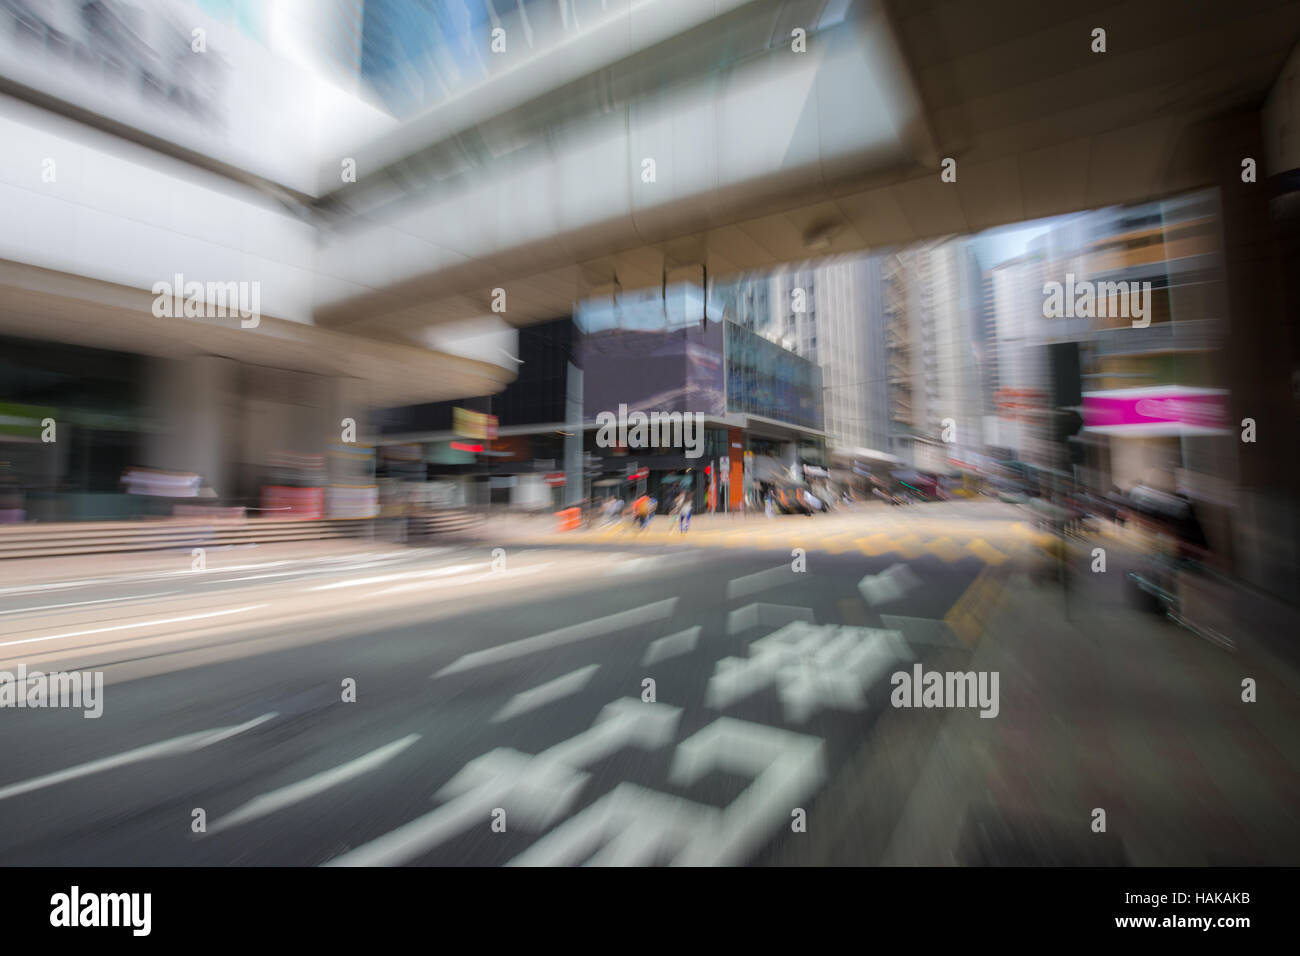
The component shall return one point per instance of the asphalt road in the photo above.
(509, 722)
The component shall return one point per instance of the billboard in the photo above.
(1162, 410)
(765, 379)
(472, 424)
(651, 354)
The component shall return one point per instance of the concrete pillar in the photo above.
(196, 418)
(574, 476)
(1261, 255)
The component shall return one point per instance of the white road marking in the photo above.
(674, 645)
(58, 586)
(633, 825)
(508, 573)
(150, 575)
(137, 624)
(50, 607)
(269, 803)
(812, 667)
(762, 581)
(546, 693)
(166, 748)
(399, 576)
(769, 615)
(565, 635)
(303, 572)
(889, 585)
(535, 789)
(647, 565)
(786, 768)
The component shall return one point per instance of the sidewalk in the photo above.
(1105, 707)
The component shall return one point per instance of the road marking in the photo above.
(489, 575)
(770, 615)
(537, 788)
(269, 803)
(564, 635)
(401, 575)
(761, 581)
(985, 551)
(945, 549)
(785, 766)
(813, 667)
(889, 585)
(546, 693)
(166, 748)
(674, 562)
(909, 546)
(674, 645)
(149, 575)
(138, 624)
(306, 572)
(50, 607)
(874, 544)
(969, 614)
(632, 825)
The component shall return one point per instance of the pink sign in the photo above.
(1168, 410)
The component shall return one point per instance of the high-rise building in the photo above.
(830, 313)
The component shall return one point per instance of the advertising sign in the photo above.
(1157, 411)
(471, 424)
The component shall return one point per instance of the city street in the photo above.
(502, 714)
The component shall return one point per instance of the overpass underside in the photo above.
(738, 145)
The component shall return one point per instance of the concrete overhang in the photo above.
(56, 306)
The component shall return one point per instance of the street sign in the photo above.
(471, 424)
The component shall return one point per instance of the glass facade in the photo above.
(419, 53)
(765, 379)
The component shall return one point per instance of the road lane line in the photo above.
(674, 645)
(50, 607)
(564, 635)
(546, 693)
(762, 581)
(137, 624)
(401, 575)
(269, 803)
(486, 576)
(166, 748)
